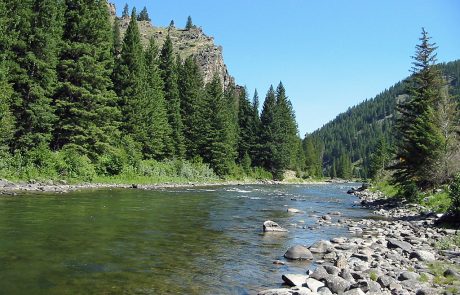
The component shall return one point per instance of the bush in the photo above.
(71, 163)
(111, 162)
(454, 194)
(410, 192)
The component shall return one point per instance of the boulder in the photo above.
(337, 284)
(422, 256)
(408, 275)
(321, 246)
(324, 291)
(298, 252)
(295, 279)
(385, 281)
(314, 285)
(319, 274)
(395, 244)
(271, 226)
(332, 270)
(326, 217)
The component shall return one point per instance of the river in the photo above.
(171, 241)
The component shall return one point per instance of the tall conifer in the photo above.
(171, 90)
(85, 101)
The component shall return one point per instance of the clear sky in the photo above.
(330, 55)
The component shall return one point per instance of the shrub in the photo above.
(454, 194)
(410, 192)
(111, 162)
(71, 163)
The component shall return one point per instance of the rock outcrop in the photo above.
(192, 42)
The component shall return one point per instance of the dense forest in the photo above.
(345, 147)
(78, 102)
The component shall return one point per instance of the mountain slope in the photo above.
(355, 133)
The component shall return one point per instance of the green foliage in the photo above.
(111, 162)
(73, 164)
(189, 25)
(143, 15)
(454, 194)
(171, 90)
(125, 12)
(84, 100)
(373, 276)
(410, 192)
(438, 202)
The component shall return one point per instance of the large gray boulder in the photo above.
(314, 284)
(271, 226)
(423, 256)
(395, 244)
(408, 275)
(356, 291)
(321, 246)
(298, 252)
(319, 274)
(295, 279)
(337, 284)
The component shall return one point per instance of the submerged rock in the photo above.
(295, 279)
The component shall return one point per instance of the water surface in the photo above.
(175, 241)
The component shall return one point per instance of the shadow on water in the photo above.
(190, 241)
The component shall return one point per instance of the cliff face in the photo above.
(186, 43)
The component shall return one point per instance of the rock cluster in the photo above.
(389, 257)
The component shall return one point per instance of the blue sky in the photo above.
(330, 55)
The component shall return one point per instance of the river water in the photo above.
(172, 241)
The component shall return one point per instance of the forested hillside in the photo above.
(343, 147)
(78, 101)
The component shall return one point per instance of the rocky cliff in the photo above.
(192, 42)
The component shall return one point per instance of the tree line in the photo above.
(73, 91)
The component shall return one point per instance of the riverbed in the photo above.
(170, 241)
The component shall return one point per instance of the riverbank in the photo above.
(61, 187)
(401, 252)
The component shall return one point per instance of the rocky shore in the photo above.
(396, 254)
(9, 188)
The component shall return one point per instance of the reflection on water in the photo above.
(179, 241)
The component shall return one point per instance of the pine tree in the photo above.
(143, 15)
(125, 13)
(128, 78)
(267, 137)
(245, 117)
(33, 71)
(6, 117)
(255, 150)
(159, 140)
(192, 99)
(379, 158)
(170, 78)
(117, 42)
(218, 151)
(286, 131)
(189, 24)
(85, 102)
(419, 143)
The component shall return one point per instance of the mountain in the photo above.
(186, 42)
(354, 134)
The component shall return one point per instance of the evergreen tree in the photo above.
(143, 15)
(6, 117)
(33, 72)
(85, 102)
(192, 107)
(286, 131)
(255, 149)
(128, 78)
(419, 138)
(171, 90)
(267, 136)
(117, 42)
(125, 13)
(189, 24)
(159, 133)
(380, 158)
(245, 117)
(218, 151)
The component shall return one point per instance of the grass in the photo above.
(373, 276)
(448, 243)
(438, 202)
(449, 282)
(387, 189)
